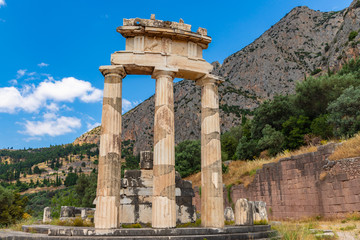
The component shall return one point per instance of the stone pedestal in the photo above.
(163, 203)
(259, 211)
(47, 215)
(109, 180)
(212, 209)
(244, 212)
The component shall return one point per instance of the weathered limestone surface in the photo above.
(47, 215)
(229, 214)
(164, 152)
(212, 209)
(109, 180)
(146, 160)
(136, 196)
(244, 212)
(259, 211)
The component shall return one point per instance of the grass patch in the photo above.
(76, 222)
(197, 223)
(17, 226)
(348, 149)
(353, 216)
(134, 225)
(348, 228)
(229, 223)
(261, 222)
(295, 231)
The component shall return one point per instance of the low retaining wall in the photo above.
(301, 186)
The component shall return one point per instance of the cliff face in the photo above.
(300, 44)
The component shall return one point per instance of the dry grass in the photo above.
(244, 171)
(323, 175)
(296, 230)
(17, 226)
(348, 149)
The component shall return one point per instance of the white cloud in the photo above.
(52, 107)
(20, 72)
(43, 65)
(2, 3)
(13, 81)
(127, 105)
(91, 126)
(31, 98)
(51, 125)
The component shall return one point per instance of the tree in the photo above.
(188, 157)
(12, 206)
(320, 127)
(314, 95)
(274, 113)
(294, 130)
(70, 179)
(37, 170)
(229, 142)
(247, 149)
(272, 140)
(85, 189)
(344, 113)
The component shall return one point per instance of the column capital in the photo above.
(113, 69)
(164, 71)
(209, 79)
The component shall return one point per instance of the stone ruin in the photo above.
(137, 190)
(248, 212)
(136, 198)
(165, 50)
(68, 212)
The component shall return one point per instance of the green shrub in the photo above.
(353, 35)
(320, 127)
(188, 157)
(344, 113)
(12, 206)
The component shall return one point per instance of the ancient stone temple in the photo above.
(165, 50)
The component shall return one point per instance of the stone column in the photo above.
(109, 178)
(163, 201)
(212, 208)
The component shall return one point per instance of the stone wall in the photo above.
(306, 185)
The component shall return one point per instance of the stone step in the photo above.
(235, 236)
(195, 233)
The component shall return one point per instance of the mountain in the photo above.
(304, 42)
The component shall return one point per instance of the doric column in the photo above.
(212, 209)
(109, 171)
(163, 201)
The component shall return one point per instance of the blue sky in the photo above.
(50, 52)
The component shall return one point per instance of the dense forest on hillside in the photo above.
(322, 108)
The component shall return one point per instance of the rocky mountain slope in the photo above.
(304, 42)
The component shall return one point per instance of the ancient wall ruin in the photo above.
(306, 185)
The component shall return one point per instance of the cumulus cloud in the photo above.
(43, 65)
(2, 3)
(31, 98)
(51, 125)
(127, 105)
